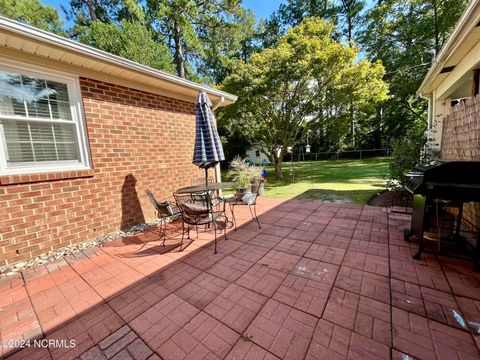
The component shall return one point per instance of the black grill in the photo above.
(457, 182)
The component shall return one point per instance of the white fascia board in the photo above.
(467, 22)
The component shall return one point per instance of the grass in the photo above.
(346, 181)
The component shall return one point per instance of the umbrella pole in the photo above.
(206, 176)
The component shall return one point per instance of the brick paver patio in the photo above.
(318, 281)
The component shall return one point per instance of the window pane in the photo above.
(11, 94)
(41, 98)
(60, 110)
(37, 142)
(19, 152)
(59, 91)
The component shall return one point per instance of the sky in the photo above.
(261, 8)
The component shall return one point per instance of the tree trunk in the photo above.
(179, 57)
(92, 10)
(278, 169)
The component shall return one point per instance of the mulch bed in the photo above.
(397, 198)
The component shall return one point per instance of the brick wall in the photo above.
(138, 140)
(461, 141)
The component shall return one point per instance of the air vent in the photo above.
(447, 69)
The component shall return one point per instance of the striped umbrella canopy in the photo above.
(208, 148)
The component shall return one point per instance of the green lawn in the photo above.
(346, 181)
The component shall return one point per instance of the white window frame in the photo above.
(78, 118)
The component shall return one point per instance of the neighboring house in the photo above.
(454, 74)
(452, 89)
(82, 134)
(257, 157)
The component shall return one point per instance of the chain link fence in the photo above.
(336, 155)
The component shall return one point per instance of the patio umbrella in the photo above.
(208, 148)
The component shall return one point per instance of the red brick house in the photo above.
(82, 134)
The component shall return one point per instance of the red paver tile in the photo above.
(230, 268)
(175, 276)
(31, 353)
(316, 270)
(407, 296)
(325, 253)
(398, 355)
(137, 299)
(367, 262)
(428, 339)
(236, 307)
(279, 260)
(342, 307)
(202, 290)
(250, 252)
(403, 269)
(156, 325)
(86, 330)
(203, 337)
(303, 235)
(430, 274)
(294, 247)
(262, 279)
(265, 240)
(282, 330)
(471, 311)
(303, 294)
(369, 247)
(364, 283)
(373, 320)
(442, 307)
(310, 226)
(247, 350)
(329, 341)
(461, 277)
(243, 235)
(277, 230)
(334, 342)
(202, 259)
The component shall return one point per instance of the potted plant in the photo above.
(244, 175)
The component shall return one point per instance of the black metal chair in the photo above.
(251, 201)
(198, 209)
(165, 212)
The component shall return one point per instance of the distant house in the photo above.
(257, 157)
(82, 134)
(454, 77)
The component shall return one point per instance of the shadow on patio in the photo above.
(319, 280)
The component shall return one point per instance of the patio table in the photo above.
(205, 188)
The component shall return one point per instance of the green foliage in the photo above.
(131, 40)
(307, 78)
(407, 153)
(33, 13)
(242, 173)
(405, 35)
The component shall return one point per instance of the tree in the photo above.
(405, 35)
(306, 77)
(179, 22)
(223, 42)
(131, 40)
(33, 13)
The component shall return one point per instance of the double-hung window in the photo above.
(41, 122)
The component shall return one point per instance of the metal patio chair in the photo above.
(165, 212)
(257, 190)
(197, 210)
